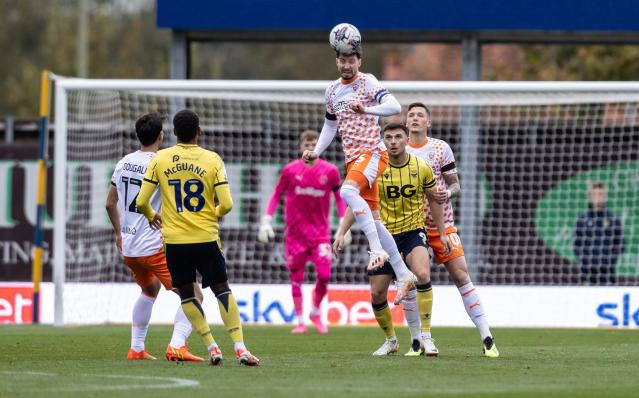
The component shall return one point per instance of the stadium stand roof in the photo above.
(470, 22)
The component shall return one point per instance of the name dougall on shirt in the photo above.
(134, 168)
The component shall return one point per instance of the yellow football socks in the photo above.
(230, 315)
(195, 314)
(384, 319)
(425, 305)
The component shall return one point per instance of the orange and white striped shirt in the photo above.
(438, 154)
(360, 132)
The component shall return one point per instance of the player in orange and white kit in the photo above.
(440, 157)
(141, 246)
(354, 103)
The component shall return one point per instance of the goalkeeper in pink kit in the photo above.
(308, 189)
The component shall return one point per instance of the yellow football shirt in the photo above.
(188, 177)
(401, 194)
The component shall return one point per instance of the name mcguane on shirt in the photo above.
(185, 167)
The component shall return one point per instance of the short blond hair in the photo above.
(309, 135)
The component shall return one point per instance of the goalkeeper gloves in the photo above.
(266, 229)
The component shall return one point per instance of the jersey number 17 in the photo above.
(131, 207)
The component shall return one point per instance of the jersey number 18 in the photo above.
(191, 195)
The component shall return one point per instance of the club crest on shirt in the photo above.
(323, 179)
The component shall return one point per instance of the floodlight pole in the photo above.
(179, 55)
(83, 39)
(469, 123)
(179, 70)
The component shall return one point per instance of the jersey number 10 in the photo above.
(191, 195)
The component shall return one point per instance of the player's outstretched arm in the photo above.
(340, 205)
(326, 137)
(342, 236)
(346, 236)
(388, 106)
(266, 232)
(449, 171)
(453, 189)
(452, 180)
(114, 215)
(437, 212)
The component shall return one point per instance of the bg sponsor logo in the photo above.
(16, 305)
(619, 314)
(394, 191)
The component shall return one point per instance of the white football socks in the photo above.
(140, 321)
(362, 214)
(181, 329)
(388, 243)
(474, 309)
(411, 313)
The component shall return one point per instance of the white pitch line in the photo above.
(8, 372)
(171, 382)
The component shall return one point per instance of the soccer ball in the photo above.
(345, 38)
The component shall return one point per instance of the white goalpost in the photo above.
(526, 152)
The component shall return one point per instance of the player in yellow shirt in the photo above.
(190, 178)
(402, 187)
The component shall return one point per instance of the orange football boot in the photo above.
(135, 355)
(181, 354)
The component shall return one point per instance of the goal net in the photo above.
(526, 153)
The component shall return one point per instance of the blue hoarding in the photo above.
(458, 15)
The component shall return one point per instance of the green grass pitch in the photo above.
(43, 361)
